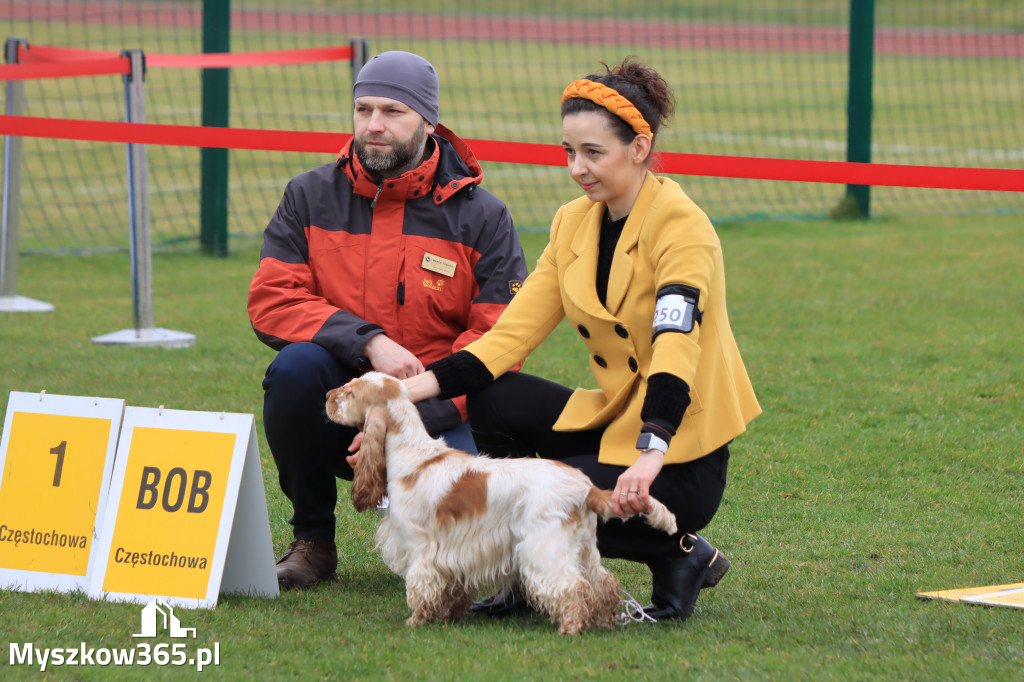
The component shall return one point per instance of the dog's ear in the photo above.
(370, 482)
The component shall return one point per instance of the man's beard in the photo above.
(400, 158)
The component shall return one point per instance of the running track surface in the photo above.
(581, 31)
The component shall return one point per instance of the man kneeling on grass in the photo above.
(390, 258)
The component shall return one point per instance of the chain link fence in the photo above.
(768, 80)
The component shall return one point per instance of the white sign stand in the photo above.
(187, 515)
(56, 456)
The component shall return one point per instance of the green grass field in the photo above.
(888, 460)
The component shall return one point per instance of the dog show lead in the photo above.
(637, 268)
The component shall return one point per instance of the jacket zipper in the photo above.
(373, 204)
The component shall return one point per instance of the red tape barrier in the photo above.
(61, 62)
(757, 168)
(180, 136)
(55, 62)
(82, 67)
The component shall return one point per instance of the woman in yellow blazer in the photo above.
(637, 268)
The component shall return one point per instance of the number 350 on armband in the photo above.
(676, 309)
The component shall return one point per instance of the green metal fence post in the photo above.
(213, 192)
(859, 105)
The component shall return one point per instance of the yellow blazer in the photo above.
(666, 240)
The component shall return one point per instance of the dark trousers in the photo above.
(514, 416)
(308, 448)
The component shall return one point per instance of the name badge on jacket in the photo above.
(441, 266)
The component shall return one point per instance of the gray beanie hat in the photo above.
(402, 76)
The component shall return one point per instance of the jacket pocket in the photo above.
(696, 405)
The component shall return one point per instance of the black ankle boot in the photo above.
(507, 602)
(678, 580)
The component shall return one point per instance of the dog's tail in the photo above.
(658, 516)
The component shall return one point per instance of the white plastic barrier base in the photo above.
(166, 338)
(23, 304)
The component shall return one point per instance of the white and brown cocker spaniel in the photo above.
(459, 523)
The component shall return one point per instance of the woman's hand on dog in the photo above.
(632, 490)
(422, 386)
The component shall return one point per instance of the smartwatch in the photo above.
(648, 441)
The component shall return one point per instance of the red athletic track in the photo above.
(754, 37)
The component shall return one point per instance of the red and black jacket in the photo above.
(428, 257)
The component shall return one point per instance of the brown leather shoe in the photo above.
(306, 563)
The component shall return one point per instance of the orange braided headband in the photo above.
(610, 99)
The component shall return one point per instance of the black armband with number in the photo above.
(677, 309)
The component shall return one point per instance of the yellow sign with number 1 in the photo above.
(56, 456)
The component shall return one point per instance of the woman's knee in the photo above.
(515, 399)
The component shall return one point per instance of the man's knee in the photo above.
(303, 368)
